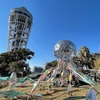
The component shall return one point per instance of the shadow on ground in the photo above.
(75, 98)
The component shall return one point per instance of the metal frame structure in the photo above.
(20, 22)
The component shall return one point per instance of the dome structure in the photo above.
(64, 49)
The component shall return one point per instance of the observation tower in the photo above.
(19, 26)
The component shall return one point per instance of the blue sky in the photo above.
(54, 20)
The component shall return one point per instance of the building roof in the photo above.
(22, 9)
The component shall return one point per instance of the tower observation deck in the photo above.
(20, 22)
